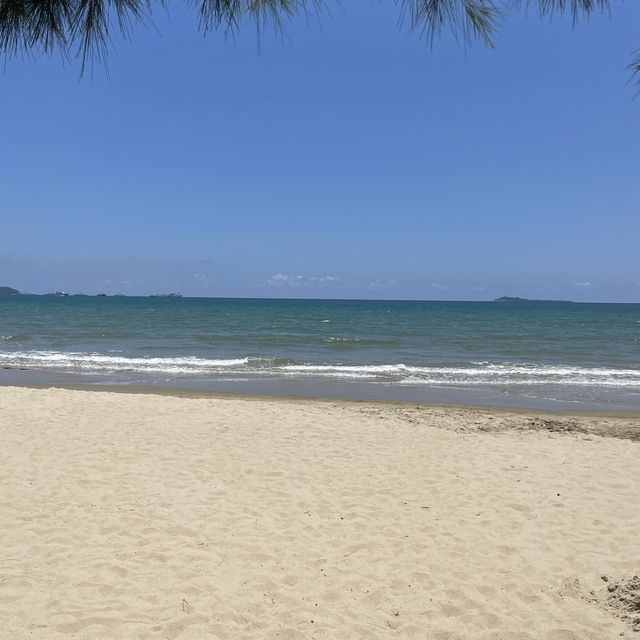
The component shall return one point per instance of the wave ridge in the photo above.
(472, 374)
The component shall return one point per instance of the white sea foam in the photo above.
(478, 374)
(473, 374)
(97, 362)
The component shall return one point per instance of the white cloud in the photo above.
(285, 280)
(586, 283)
(377, 285)
(440, 287)
(280, 279)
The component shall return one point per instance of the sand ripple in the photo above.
(139, 516)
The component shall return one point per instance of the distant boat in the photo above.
(59, 294)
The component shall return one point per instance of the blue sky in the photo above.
(350, 160)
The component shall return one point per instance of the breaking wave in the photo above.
(471, 374)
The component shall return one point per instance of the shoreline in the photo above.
(444, 396)
(349, 392)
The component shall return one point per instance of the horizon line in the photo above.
(510, 299)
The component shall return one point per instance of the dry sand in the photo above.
(147, 516)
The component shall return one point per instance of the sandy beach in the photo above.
(129, 515)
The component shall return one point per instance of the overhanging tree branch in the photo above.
(83, 27)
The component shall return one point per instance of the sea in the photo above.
(547, 355)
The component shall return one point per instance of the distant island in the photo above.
(516, 299)
(166, 295)
(8, 291)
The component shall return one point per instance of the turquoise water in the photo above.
(574, 353)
